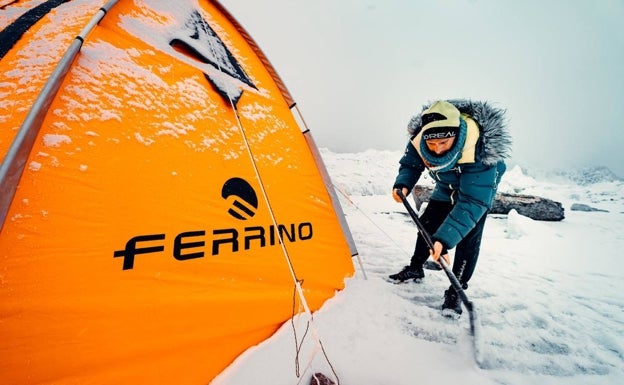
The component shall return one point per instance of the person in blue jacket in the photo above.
(463, 145)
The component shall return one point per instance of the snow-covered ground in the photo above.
(550, 296)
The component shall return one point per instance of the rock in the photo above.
(321, 379)
(584, 207)
(534, 207)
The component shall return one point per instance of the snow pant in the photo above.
(467, 250)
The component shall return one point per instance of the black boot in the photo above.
(452, 304)
(408, 272)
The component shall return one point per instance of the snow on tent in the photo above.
(162, 202)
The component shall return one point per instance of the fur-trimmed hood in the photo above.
(495, 137)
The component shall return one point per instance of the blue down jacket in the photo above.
(471, 183)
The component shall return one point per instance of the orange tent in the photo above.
(159, 200)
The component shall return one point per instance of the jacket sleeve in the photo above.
(477, 188)
(410, 169)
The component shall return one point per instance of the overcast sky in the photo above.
(360, 69)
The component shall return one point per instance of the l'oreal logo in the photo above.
(439, 135)
(187, 245)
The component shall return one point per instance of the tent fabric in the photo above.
(142, 243)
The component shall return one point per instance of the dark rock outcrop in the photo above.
(534, 207)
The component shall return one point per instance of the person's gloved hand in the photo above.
(395, 193)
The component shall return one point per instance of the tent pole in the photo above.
(14, 162)
(329, 186)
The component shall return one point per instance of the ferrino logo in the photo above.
(243, 204)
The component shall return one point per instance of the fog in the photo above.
(360, 69)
